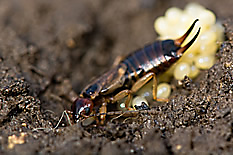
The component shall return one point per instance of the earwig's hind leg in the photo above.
(139, 84)
(123, 94)
(144, 80)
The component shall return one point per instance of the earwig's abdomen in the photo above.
(155, 58)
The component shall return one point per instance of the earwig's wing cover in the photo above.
(113, 79)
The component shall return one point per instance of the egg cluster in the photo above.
(201, 55)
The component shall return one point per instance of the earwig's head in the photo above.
(172, 48)
(82, 107)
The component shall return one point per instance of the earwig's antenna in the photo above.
(64, 113)
(117, 117)
(131, 112)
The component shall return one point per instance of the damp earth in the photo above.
(49, 51)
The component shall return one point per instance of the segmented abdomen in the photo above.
(152, 58)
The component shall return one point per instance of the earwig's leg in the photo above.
(139, 84)
(154, 91)
(103, 109)
(123, 94)
(144, 80)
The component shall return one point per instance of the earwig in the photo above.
(129, 76)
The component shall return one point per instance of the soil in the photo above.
(49, 50)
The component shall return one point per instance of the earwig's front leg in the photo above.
(103, 110)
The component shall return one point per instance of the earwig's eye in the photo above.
(87, 110)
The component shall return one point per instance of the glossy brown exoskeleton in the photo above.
(130, 75)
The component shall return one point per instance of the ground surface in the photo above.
(48, 50)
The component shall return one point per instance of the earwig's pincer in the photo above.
(130, 75)
(178, 42)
